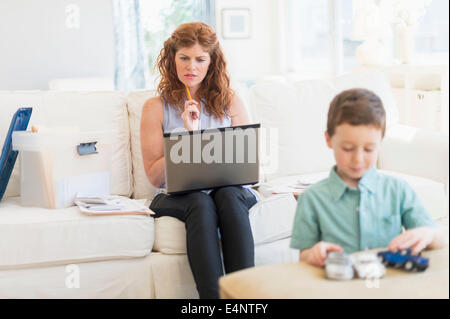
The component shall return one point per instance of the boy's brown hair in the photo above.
(356, 107)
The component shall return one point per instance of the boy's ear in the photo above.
(328, 139)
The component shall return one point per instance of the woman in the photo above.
(192, 58)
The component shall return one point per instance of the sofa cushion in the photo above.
(142, 187)
(90, 111)
(270, 219)
(170, 236)
(276, 252)
(419, 152)
(37, 236)
(431, 193)
(172, 277)
(297, 116)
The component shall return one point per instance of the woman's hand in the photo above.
(317, 254)
(417, 239)
(191, 115)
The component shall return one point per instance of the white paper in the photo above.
(88, 185)
(113, 204)
(299, 186)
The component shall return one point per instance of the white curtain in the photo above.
(129, 46)
(206, 11)
(131, 63)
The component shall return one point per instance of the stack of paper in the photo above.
(298, 186)
(112, 205)
(282, 189)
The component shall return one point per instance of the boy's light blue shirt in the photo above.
(369, 216)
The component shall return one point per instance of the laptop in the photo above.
(8, 156)
(211, 158)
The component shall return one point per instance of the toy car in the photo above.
(404, 259)
(338, 266)
(367, 265)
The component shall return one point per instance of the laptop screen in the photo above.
(211, 158)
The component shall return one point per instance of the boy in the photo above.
(356, 207)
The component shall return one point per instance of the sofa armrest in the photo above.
(416, 152)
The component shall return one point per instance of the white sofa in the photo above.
(142, 257)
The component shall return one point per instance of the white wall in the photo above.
(260, 54)
(36, 45)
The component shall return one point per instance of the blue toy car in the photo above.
(404, 259)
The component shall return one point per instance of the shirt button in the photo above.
(357, 209)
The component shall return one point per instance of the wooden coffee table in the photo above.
(301, 280)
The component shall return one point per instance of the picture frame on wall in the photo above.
(236, 23)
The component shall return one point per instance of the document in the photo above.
(112, 205)
(297, 185)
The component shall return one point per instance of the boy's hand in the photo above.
(417, 239)
(317, 254)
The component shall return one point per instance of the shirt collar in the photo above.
(338, 187)
(369, 180)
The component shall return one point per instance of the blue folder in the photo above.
(8, 158)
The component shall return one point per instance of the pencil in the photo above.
(190, 98)
(189, 93)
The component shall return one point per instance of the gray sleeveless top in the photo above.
(172, 121)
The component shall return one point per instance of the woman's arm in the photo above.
(152, 141)
(238, 111)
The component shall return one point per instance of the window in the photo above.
(161, 17)
(308, 26)
(321, 30)
(432, 33)
(321, 34)
(348, 45)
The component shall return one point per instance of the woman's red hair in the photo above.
(215, 88)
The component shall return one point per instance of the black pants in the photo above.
(225, 208)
